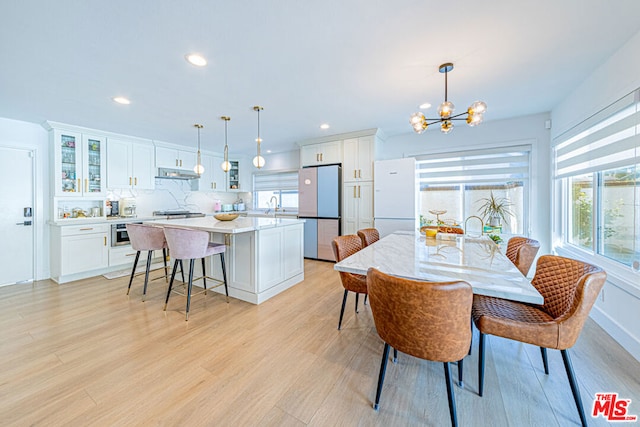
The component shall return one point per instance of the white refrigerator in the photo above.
(395, 196)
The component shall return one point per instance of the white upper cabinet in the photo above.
(174, 158)
(321, 154)
(78, 163)
(358, 157)
(213, 178)
(130, 164)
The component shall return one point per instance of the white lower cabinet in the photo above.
(78, 249)
(125, 255)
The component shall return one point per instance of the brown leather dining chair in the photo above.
(521, 251)
(569, 288)
(344, 246)
(427, 320)
(368, 236)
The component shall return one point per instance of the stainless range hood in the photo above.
(166, 173)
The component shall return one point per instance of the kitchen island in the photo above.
(264, 256)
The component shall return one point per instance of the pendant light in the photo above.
(198, 168)
(258, 160)
(225, 165)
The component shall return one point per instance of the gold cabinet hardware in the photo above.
(79, 187)
(180, 162)
(354, 191)
(359, 173)
(358, 191)
(135, 181)
(129, 180)
(321, 156)
(86, 229)
(86, 185)
(355, 175)
(176, 162)
(105, 240)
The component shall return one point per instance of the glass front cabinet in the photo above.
(79, 164)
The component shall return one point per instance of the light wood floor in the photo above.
(84, 353)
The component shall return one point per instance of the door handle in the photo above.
(135, 181)
(25, 223)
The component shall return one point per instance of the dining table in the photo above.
(476, 260)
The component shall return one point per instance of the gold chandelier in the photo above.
(473, 116)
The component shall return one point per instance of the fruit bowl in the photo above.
(226, 216)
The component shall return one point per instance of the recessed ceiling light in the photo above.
(196, 59)
(324, 126)
(425, 106)
(268, 151)
(121, 100)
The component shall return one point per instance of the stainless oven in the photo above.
(119, 236)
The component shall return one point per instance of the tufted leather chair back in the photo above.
(368, 236)
(344, 246)
(429, 320)
(570, 288)
(522, 251)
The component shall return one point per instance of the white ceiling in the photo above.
(355, 64)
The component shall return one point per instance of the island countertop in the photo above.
(238, 225)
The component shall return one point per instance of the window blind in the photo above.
(607, 140)
(276, 181)
(495, 165)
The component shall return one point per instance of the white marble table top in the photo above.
(476, 260)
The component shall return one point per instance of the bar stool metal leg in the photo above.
(224, 276)
(191, 266)
(173, 275)
(146, 274)
(133, 271)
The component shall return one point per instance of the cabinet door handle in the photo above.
(355, 175)
(129, 254)
(129, 180)
(180, 163)
(358, 191)
(86, 229)
(354, 191)
(321, 154)
(79, 188)
(86, 185)
(176, 162)
(105, 240)
(135, 181)
(359, 173)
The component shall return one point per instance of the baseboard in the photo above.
(617, 332)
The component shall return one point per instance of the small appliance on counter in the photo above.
(115, 208)
(127, 207)
(178, 214)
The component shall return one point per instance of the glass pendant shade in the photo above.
(478, 107)
(258, 161)
(446, 126)
(446, 109)
(226, 166)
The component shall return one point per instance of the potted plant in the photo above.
(495, 209)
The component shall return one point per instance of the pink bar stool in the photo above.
(146, 238)
(193, 244)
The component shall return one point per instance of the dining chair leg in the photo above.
(357, 296)
(191, 266)
(146, 274)
(204, 276)
(450, 395)
(481, 364)
(166, 269)
(133, 271)
(383, 369)
(460, 371)
(395, 355)
(224, 276)
(545, 361)
(365, 298)
(471, 341)
(344, 303)
(173, 275)
(574, 385)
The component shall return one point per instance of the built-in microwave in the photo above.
(119, 236)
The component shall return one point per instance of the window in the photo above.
(457, 182)
(597, 164)
(281, 185)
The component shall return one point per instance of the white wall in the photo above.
(618, 308)
(14, 133)
(499, 133)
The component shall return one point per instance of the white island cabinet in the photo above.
(264, 256)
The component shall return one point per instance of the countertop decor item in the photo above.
(473, 116)
(226, 216)
(495, 209)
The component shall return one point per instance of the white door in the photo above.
(16, 215)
